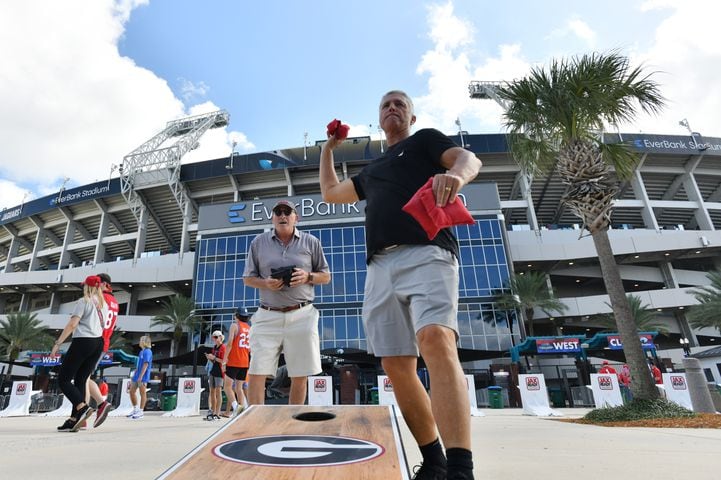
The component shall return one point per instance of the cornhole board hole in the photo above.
(279, 442)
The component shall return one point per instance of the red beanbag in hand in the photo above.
(422, 206)
(340, 130)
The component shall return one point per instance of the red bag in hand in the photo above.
(422, 206)
(340, 130)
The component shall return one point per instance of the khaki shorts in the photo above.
(294, 333)
(407, 288)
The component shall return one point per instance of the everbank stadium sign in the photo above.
(675, 145)
(79, 194)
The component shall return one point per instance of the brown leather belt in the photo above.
(297, 306)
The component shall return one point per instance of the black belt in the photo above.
(297, 306)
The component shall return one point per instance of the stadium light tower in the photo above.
(305, 145)
(695, 136)
(460, 133)
(487, 91)
(157, 161)
(232, 155)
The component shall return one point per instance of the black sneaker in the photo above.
(429, 472)
(102, 414)
(67, 426)
(82, 414)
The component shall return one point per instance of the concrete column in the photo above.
(694, 194)
(185, 236)
(649, 219)
(526, 195)
(54, 302)
(132, 302)
(697, 388)
(669, 274)
(685, 328)
(65, 255)
(142, 234)
(38, 245)
(25, 302)
(12, 251)
(99, 256)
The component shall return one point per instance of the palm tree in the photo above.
(118, 341)
(529, 291)
(706, 313)
(555, 118)
(22, 331)
(643, 317)
(178, 315)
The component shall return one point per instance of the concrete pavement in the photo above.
(506, 445)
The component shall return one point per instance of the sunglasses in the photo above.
(283, 211)
(215, 336)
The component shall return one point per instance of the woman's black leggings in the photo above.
(77, 366)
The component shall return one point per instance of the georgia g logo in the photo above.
(298, 451)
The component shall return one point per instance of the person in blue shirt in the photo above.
(141, 377)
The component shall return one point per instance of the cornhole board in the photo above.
(270, 442)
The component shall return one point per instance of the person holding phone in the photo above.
(286, 320)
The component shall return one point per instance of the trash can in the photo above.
(169, 400)
(374, 395)
(495, 397)
(558, 399)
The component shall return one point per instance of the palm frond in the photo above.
(706, 313)
(642, 314)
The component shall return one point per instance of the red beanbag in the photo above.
(422, 206)
(340, 130)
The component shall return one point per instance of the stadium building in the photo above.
(161, 228)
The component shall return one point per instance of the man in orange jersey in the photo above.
(236, 361)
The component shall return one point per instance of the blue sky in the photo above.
(96, 78)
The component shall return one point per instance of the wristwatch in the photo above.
(310, 277)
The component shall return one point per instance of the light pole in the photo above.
(685, 345)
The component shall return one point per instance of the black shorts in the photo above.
(236, 373)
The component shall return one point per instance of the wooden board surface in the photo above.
(267, 442)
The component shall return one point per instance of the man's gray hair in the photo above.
(402, 94)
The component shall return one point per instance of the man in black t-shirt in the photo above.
(411, 297)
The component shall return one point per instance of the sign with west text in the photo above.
(44, 359)
(558, 345)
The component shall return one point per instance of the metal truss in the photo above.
(487, 91)
(157, 161)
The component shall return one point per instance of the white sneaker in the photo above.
(137, 415)
(134, 412)
(234, 406)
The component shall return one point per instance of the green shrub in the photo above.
(639, 410)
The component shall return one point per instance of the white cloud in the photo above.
(450, 71)
(576, 27)
(11, 194)
(72, 105)
(687, 56)
(190, 90)
(582, 31)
